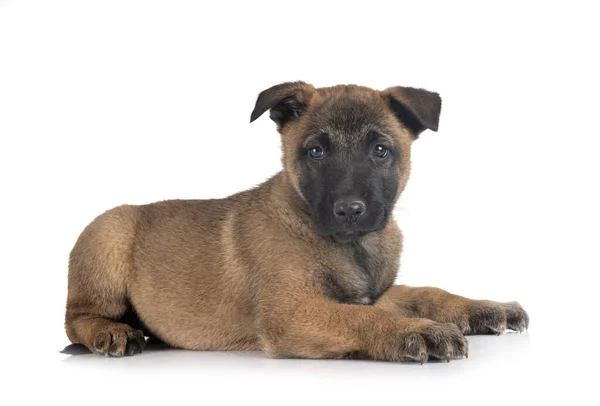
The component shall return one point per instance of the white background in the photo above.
(111, 102)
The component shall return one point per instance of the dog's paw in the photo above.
(487, 317)
(442, 341)
(118, 341)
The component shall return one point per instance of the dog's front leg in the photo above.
(471, 316)
(319, 328)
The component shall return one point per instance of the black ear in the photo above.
(417, 109)
(286, 101)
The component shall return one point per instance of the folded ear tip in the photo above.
(291, 95)
(258, 111)
(434, 125)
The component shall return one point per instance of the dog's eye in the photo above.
(316, 153)
(380, 151)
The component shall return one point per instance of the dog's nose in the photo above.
(348, 209)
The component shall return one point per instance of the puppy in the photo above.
(301, 266)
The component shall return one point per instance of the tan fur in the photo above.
(243, 273)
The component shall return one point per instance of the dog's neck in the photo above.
(289, 206)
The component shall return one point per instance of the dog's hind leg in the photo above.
(99, 270)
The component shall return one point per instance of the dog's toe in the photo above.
(119, 341)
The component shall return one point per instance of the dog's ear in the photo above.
(417, 109)
(286, 101)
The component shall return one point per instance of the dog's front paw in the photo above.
(487, 317)
(442, 341)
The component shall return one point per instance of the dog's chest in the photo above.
(361, 276)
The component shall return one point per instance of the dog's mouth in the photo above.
(348, 232)
(345, 237)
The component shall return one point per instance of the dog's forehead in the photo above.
(349, 113)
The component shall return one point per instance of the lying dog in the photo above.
(300, 266)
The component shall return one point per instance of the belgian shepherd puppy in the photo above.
(301, 266)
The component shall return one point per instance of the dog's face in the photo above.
(347, 149)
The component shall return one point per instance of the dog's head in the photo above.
(346, 149)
